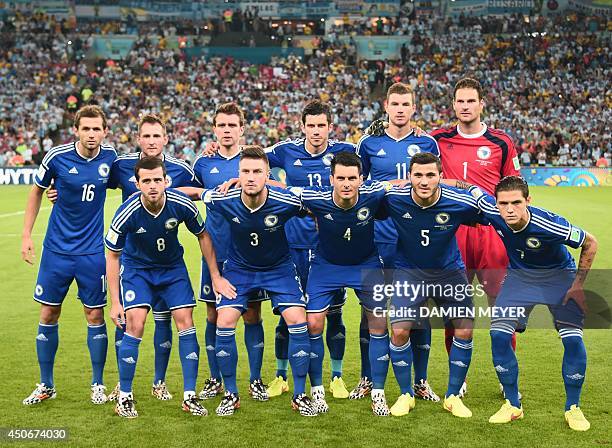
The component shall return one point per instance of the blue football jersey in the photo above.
(151, 241)
(426, 235)
(541, 244)
(212, 172)
(178, 173)
(304, 169)
(258, 239)
(346, 237)
(76, 224)
(385, 158)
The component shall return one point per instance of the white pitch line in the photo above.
(21, 212)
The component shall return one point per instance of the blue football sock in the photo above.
(128, 357)
(364, 349)
(189, 351)
(210, 339)
(401, 360)
(335, 336)
(254, 341)
(317, 353)
(504, 360)
(227, 357)
(420, 340)
(97, 343)
(281, 348)
(119, 332)
(299, 356)
(458, 364)
(162, 341)
(379, 359)
(46, 347)
(574, 364)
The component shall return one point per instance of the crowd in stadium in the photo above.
(550, 92)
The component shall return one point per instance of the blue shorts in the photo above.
(326, 278)
(147, 287)
(450, 290)
(57, 271)
(206, 291)
(387, 252)
(281, 284)
(525, 289)
(302, 259)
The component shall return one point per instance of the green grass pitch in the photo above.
(273, 423)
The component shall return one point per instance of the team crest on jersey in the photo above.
(171, 223)
(103, 170)
(327, 159)
(533, 243)
(271, 220)
(442, 218)
(484, 152)
(39, 290)
(168, 180)
(129, 295)
(363, 213)
(413, 149)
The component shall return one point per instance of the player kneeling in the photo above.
(145, 231)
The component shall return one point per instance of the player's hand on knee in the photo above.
(27, 250)
(377, 127)
(52, 195)
(576, 294)
(229, 184)
(210, 149)
(224, 287)
(117, 314)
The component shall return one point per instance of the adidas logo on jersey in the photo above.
(214, 170)
(210, 348)
(141, 230)
(300, 354)
(236, 220)
(222, 354)
(500, 369)
(381, 152)
(260, 345)
(132, 179)
(313, 355)
(329, 216)
(407, 215)
(401, 363)
(192, 355)
(384, 357)
(459, 364)
(100, 336)
(129, 360)
(41, 337)
(73, 170)
(166, 344)
(298, 162)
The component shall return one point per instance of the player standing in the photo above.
(259, 258)
(73, 246)
(387, 157)
(541, 271)
(143, 238)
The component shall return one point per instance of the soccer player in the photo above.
(152, 138)
(481, 156)
(541, 271)
(73, 245)
(143, 238)
(428, 265)
(259, 258)
(211, 172)
(346, 257)
(387, 157)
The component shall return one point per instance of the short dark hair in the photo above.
(425, 158)
(513, 183)
(316, 107)
(346, 158)
(151, 119)
(468, 83)
(90, 112)
(149, 163)
(229, 109)
(254, 152)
